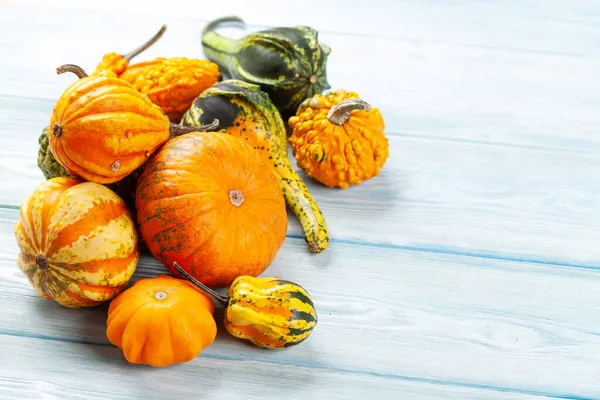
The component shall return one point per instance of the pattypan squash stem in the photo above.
(218, 297)
(340, 113)
(146, 45)
(77, 70)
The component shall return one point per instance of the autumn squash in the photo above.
(118, 63)
(339, 139)
(102, 129)
(161, 321)
(270, 312)
(171, 83)
(289, 63)
(244, 111)
(77, 241)
(210, 202)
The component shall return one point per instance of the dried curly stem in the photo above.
(146, 45)
(76, 69)
(177, 130)
(340, 113)
(236, 21)
(219, 297)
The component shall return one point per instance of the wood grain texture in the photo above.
(488, 92)
(446, 319)
(202, 378)
(468, 269)
(431, 195)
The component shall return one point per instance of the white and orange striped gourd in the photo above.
(78, 243)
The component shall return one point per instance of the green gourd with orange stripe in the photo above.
(270, 312)
(245, 111)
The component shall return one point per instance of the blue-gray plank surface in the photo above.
(470, 268)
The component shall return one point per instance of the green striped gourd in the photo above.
(289, 63)
(243, 110)
(270, 312)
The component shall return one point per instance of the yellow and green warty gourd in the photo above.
(270, 312)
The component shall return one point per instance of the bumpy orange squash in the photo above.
(102, 129)
(118, 63)
(339, 139)
(161, 321)
(78, 243)
(171, 83)
(212, 204)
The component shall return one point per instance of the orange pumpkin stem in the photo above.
(340, 113)
(177, 130)
(218, 297)
(146, 45)
(77, 70)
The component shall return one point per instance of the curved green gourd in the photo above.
(243, 110)
(288, 63)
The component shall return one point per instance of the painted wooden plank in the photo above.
(553, 26)
(394, 313)
(423, 89)
(83, 371)
(436, 195)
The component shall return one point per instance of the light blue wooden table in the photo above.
(470, 268)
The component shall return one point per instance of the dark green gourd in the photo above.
(288, 63)
(46, 161)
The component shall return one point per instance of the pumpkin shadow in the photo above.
(282, 364)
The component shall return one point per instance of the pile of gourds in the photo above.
(189, 156)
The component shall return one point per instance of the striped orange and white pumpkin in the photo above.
(78, 243)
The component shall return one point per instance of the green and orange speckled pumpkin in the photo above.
(244, 111)
(339, 139)
(270, 312)
(77, 240)
(209, 201)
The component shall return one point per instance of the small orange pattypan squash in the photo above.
(339, 139)
(161, 321)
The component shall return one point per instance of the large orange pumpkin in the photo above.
(77, 240)
(102, 128)
(211, 203)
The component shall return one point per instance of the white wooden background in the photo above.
(469, 269)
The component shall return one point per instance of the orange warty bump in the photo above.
(172, 83)
(77, 240)
(339, 139)
(212, 204)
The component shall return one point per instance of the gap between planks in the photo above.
(439, 250)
